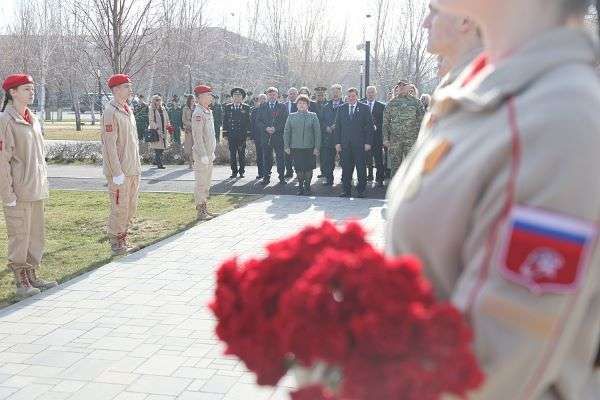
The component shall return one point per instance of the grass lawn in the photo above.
(76, 241)
(66, 131)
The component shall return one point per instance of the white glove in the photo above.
(13, 204)
(119, 180)
(204, 160)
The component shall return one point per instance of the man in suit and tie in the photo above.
(377, 108)
(354, 137)
(270, 121)
(291, 107)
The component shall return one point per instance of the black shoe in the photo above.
(289, 175)
(321, 176)
(361, 195)
(233, 175)
(300, 191)
(266, 180)
(370, 178)
(380, 184)
(259, 177)
(345, 194)
(162, 167)
(241, 174)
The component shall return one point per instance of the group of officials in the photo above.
(369, 136)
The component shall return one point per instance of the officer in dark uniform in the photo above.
(236, 128)
(321, 100)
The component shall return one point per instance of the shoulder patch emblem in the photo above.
(108, 128)
(546, 252)
(199, 118)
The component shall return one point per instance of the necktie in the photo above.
(352, 111)
(272, 106)
(371, 106)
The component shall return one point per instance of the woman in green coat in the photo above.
(302, 141)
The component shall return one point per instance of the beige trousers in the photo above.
(25, 229)
(203, 175)
(123, 204)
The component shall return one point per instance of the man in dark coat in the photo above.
(376, 154)
(236, 128)
(270, 121)
(354, 137)
(175, 112)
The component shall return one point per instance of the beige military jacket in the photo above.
(463, 63)
(120, 147)
(203, 130)
(23, 170)
(501, 202)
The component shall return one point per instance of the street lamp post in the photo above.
(367, 58)
(362, 71)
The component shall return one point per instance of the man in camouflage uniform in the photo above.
(175, 116)
(401, 123)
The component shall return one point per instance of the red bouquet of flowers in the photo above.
(357, 325)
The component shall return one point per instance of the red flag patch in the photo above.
(546, 252)
(199, 118)
(108, 128)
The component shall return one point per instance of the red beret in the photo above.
(117, 80)
(12, 81)
(198, 90)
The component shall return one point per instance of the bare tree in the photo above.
(125, 32)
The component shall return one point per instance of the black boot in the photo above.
(307, 180)
(300, 176)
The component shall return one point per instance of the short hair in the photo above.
(303, 98)
(425, 98)
(337, 86)
(304, 88)
(272, 89)
(415, 90)
(353, 90)
(262, 96)
(372, 87)
(292, 89)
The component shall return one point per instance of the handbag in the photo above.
(151, 135)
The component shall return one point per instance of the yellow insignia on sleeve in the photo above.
(436, 156)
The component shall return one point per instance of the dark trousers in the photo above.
(328, 162)
(260, 158)
(376, 154)
(354, 156)
(289, 164)
(158, 153)
(237, 153)
(218, 133)
(270, 146)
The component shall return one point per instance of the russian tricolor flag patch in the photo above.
(546, 252)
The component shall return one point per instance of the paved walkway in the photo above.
(181, 179)
(139, 329)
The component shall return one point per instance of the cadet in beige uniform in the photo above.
(23, 184)
(203, 130)
(501, 201)
(122, 167)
